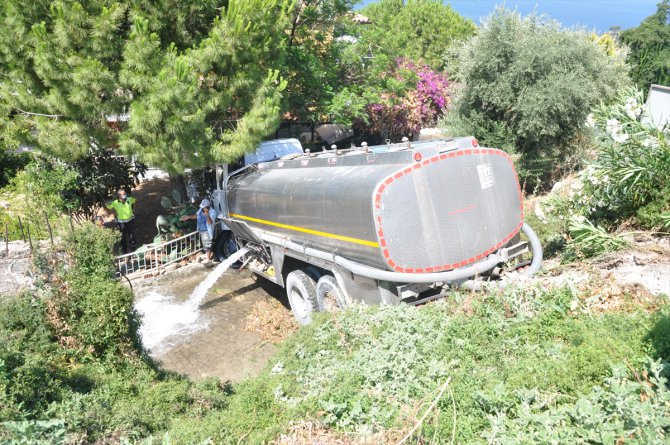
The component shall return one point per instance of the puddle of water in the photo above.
(164, 319)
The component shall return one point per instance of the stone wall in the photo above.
(16, 267)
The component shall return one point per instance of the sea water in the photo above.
(165, 320)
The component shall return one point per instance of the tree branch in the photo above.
(28, 113)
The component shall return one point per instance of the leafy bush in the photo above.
(94, 308)
(630, 175)
(393, 69)
(10, 165)
(623, 410)
(626, 179)
(528, 85)
(407, 98)
(28, 383)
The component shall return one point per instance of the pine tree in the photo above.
(184, 71)
(213, 101)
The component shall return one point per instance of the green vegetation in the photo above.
(182, 71)
(312, 56)
(393, 69)
(624, 182)
(47, 186)
(649, 46)
(418, 30)
(10, 165)
(206, 81)
(631, 172)
(70, 368)
(528, 86)
(69, 359)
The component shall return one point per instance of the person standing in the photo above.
(125, 218)
(206, 220)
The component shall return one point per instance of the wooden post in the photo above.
(6, 241)
(23, 235)
(51, 235)
(30, 241)
(71, 224)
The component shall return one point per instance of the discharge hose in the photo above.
(440, 277)
(385, 275)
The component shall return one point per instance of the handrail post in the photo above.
(30, 240)
(51, 236)
(23, 235)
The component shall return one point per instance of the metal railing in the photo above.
(150, 260)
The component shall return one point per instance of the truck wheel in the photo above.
(225, 246)
(301, 293)
(313, 272)
(329, 296)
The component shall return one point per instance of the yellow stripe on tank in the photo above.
(310, 231)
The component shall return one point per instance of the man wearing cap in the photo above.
(206, 219)
(125, 218)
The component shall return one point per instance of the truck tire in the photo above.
(314, 272)
(301, 293)
(226, 245)
(329, 296)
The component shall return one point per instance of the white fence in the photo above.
(150, 260)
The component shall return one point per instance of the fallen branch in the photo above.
(430, 408)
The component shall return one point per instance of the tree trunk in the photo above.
(178, 183)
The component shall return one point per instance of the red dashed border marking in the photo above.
(380, 232)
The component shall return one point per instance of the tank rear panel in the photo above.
(447, 211)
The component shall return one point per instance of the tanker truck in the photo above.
(384, 224)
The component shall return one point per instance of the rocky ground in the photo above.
(644, 266)
(17, 272)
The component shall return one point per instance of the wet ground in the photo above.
(219, 346)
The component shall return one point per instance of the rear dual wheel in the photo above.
(306, 296)
(301, 293)
(329, 295)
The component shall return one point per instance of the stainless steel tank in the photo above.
(416, 208)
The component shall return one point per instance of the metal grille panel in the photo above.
(448, 211)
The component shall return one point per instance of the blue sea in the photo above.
(597, 15)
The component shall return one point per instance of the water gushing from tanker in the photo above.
(201, 289)
(164, 319)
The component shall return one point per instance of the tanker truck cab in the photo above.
(383, 224)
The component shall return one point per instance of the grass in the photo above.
(369, 370)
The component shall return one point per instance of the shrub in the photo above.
(623, 410)
(630, 175)
(528, 85)
(90, 249)
(28, 383)
(406, 98)
(95, 308)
